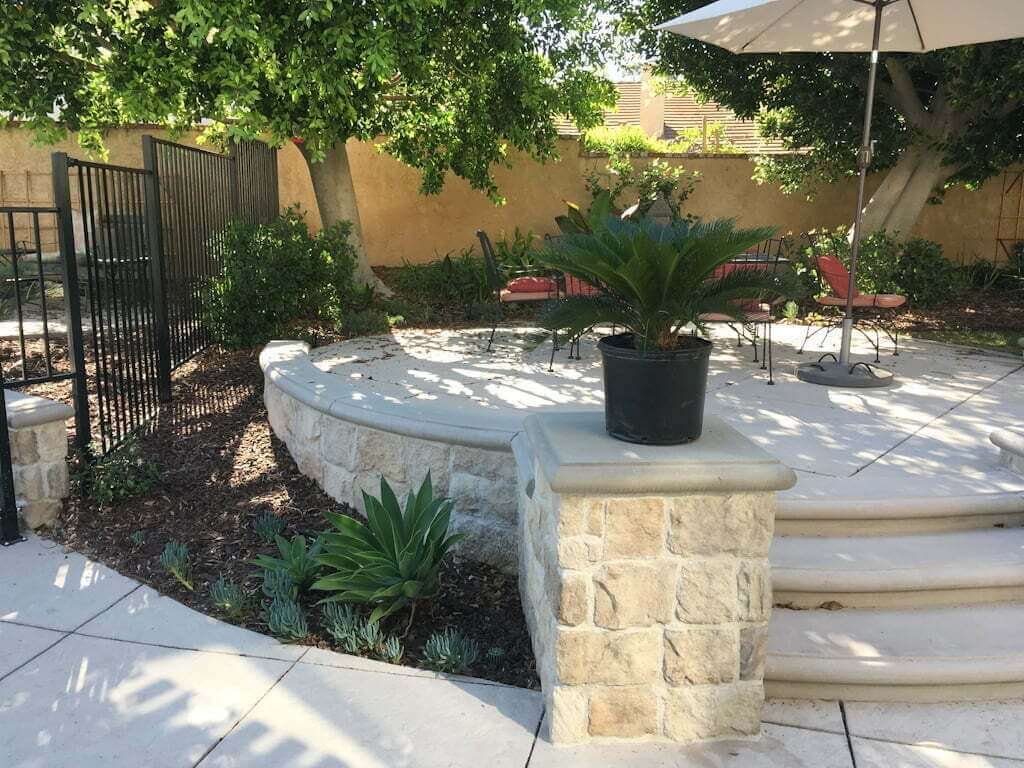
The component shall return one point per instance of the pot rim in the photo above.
(610, 349)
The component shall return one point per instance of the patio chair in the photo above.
(868, 308)
(521, 289)
(759, 316)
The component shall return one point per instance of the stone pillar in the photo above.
(645, 579)
(1011, 449)
(39, 449)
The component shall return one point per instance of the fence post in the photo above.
(9, 532)
(157, 269)
(72, 298)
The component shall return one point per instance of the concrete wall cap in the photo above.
(1011, 442)
(287, 366)
(577, 456)
(25, 410)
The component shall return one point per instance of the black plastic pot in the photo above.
(654, 397)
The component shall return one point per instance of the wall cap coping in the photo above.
(577, 456)
(24, 410)
(1011, 442)
(287, 366)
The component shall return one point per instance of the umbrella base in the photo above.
(832, 373)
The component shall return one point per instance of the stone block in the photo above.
(624, 712)
(497, 466)
(753, 650)
(702, 656)
(339, 483)
(421, 456)
(634, 527)
(338, 442)
(29, 482)
(754, 590)
(711, 524)
(381, 453)
(634, 594)
(695, 713)
(475, 495)
(489, 541)
(52, 441)
(40, 513)
(23, 445)
(55, 479)
(706, 591)
(585, 656)
(574, 599)
(568, 710)
(580, 516)
(579, 552)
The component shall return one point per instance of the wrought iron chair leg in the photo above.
(554, 348)
(771, 357)
(497, 319)
(766, 346)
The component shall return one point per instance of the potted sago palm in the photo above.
(656, 281)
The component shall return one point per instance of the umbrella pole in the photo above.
(864, 159)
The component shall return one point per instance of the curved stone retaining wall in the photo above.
(346, 439)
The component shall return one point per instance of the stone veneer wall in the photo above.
(648, 610)
(345, 458)
(39, 449)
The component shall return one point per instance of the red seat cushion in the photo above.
(576, 287)
(532, 285)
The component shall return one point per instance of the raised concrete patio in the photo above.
(98, 670)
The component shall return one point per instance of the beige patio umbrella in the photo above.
(851, 26)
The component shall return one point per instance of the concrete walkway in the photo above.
(98, 670)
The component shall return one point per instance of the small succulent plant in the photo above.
(285, 619)
(297, 560)
(138, 538)
(278, 584)
(229, 598)
(450, 651)
(268, 526)
(392, 651)
(174, 560)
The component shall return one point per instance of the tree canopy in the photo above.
(451, 84)
(951, 117)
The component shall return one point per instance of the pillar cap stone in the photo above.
(577, 456)
(24, 410)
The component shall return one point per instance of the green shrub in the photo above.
(174, 560)
(278, 275)
(366, 322)
(450, 651)
(229, 598)
(916, 269)
(447, 286)
(285, 619)
(393, 560)
(121, 474)
(296, 560)
(631, 184)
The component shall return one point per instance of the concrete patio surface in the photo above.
(925, 437)
(98, 670)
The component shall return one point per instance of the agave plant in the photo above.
(393, 560)
(296, 560)
(656, 279)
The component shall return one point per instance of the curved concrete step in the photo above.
(970, 653)
(896, 515)
(914, 571)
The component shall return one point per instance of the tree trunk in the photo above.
(900, 199)
(336, 199)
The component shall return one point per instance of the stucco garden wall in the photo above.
(400, 225)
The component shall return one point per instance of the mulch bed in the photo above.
(220, 468)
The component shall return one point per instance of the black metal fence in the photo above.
(139, 249)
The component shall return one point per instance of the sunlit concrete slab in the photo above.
(89, 703)
(813, 715)
(779, 747)
(322, 716)
(884, 754)
(47, 587)
(987, 728)
(21, 643)
(145, 616)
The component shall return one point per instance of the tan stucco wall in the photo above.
(400, 224)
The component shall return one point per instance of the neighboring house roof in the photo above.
(682, 112)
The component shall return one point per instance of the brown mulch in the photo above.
(220, 468)
(972, 310)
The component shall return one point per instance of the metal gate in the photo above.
(135, 252)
